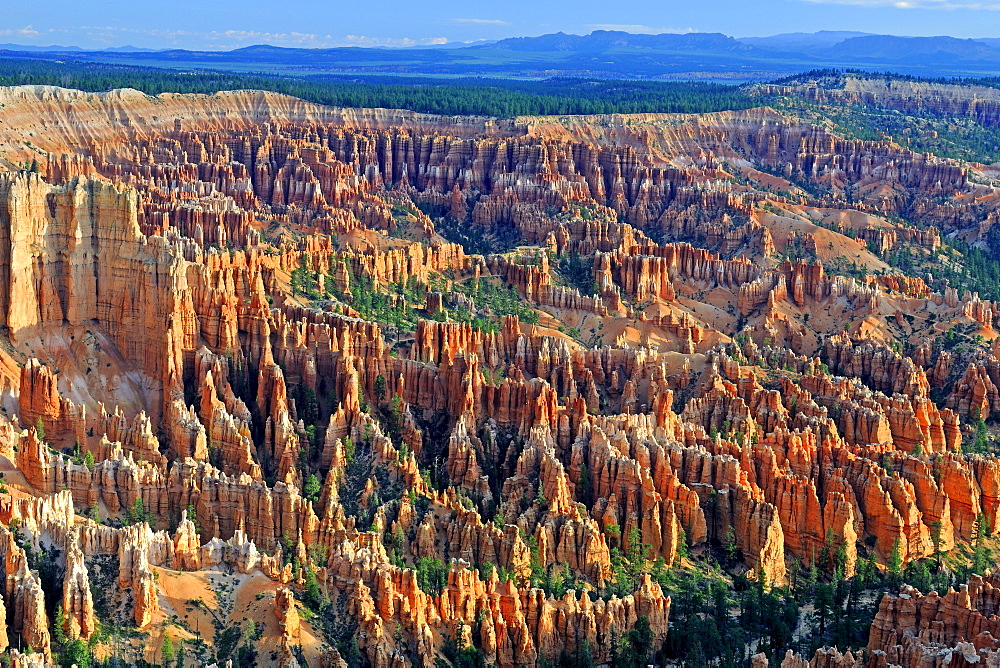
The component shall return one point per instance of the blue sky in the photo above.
(210, 24)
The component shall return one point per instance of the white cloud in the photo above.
(638, 29)
(914, 4)
(363, 40)
(26, 31)
(485, 22)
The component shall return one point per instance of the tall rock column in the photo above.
(78, 603)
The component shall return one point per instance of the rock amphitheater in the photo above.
(202, 428)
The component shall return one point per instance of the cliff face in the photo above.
(958, 628)
(980, 103)
(240, 338)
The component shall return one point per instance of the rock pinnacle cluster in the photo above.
(283, 384)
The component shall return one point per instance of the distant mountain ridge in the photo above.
(888, 48)
(802, 42)
(55, 48)
(600, 40)
(608, 54)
